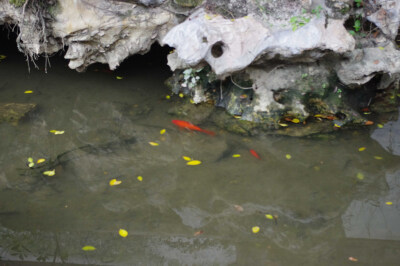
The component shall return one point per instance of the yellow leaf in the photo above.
(288, 156)
(186, 158)
(30, 159)
(191, 101)
(255, 229)
(28, 92)
(194, 162)
(162, 131)
(118, 77)
(237, 116)
(115, 182)
(269, 216)
(318, 115)
(140, 178)
(50, 173)
(57, 132)
(336, 125)
(236, 155)
(389, 203)
(360, 176)
(31, 165)
(153, 143)
(2, 57)
(380, 125)
(181, 95)
(378, 157)
(295, 120)
(206, 16)
(41, 160)
(123, 232)
(283, 124)
(361, 149)
(167, 97)
(88, 248)
(381, 48)
(246, 17)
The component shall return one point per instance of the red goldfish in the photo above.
(190, 126)
(255, 154)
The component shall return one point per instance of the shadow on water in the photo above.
(329, 201)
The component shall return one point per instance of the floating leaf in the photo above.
(288, 156)
(269, 216)
(28, 92)
(30, 159)
(167, 97)
(236, 155)
(57, 132)
(186, 158)
(255, 229)
(352, 259)
(337, 125)
(50, 173)
(140, 178)
(118, 77)
(191, 101)
(361, 149)
(198, 233)
(295, 120)
(162, 131)
(41, 160)
(88, 248)
(194, 162)
(181, 95)
(367, 113)
(237, 116)
(115, 182)
(31, 163)
(380, 125)
(389, 203)
(153, 143)
(123, 232)
(283, 124)
(238, 208)
(360, 176)
(378, 157)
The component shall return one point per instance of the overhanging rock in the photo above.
(230, 45)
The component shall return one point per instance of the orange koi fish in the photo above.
(255, 154)
(190, 126)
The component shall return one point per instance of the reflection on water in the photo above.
(181, 215)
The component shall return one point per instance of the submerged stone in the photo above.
(14, 112)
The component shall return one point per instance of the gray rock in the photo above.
(386, 15)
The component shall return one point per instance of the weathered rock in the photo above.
(385, 15)
(229, 46)
(14, 112)
(365, 63)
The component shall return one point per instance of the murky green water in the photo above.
(179, 214)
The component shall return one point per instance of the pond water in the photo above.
(329, 201)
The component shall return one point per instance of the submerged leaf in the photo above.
(88, 248)
(181, 95)
(140, 178)
(352, 259)
(361, 149)
(57, 132)
(2, 57)
(167, 97)
(295, 120)
(389, 203)
(41, 160)
(238, 208)
(255, 229)
(162, 131)
(115, 182)
(380, 125)
(118, 77)
(198, 233)
(123, 232)
(283, 124)
(30, 159)
(28, 92)
(378, 157)
(50, 173)
(288, 156)
(153, 143)
(360, 176)
(186, 158)
(31, 165)
(236, 155)
(194, 162)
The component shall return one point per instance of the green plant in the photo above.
(17, 3)
(358, 2)
(357, 25)
(317, 11)
(298, 21)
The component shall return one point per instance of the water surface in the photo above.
(179, 214)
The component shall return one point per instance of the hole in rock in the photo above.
(217, 50)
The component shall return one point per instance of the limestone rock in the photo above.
(14, 112)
